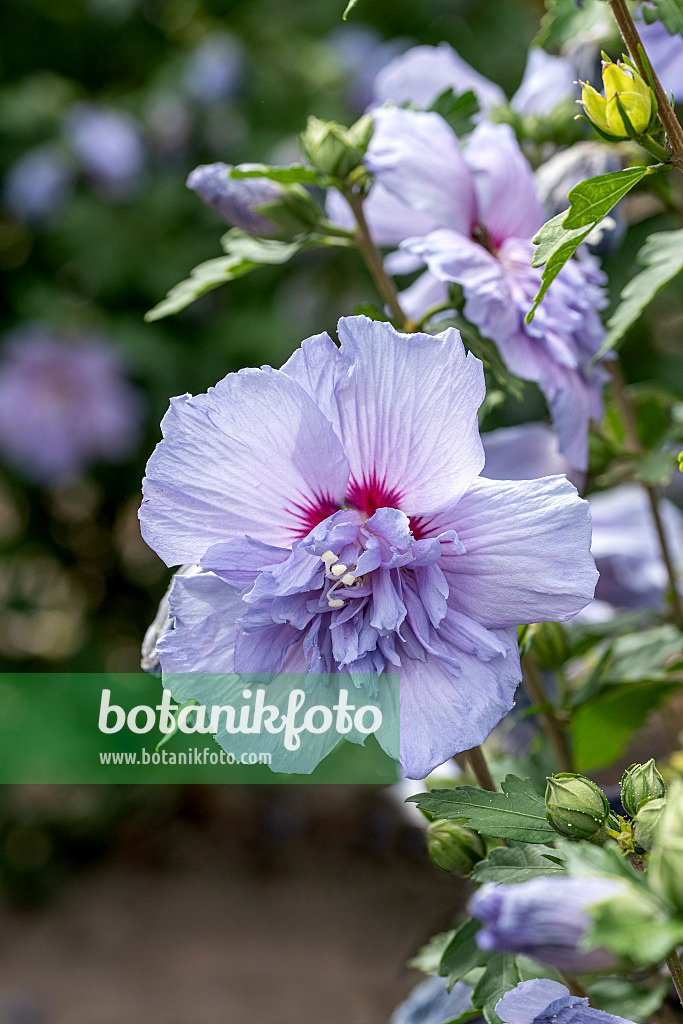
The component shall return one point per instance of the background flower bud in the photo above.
(625, 92)
(575, 806)
(333, 149)
(647, 820)
(666, 860)
(640, 783)
(454, 847)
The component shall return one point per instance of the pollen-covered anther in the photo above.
(329, 558)
(335, 602)
(348, 579)
(339, 569)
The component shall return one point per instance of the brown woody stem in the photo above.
(478, 764)
(553, 726)
(373, 259)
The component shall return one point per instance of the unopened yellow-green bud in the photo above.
(646, 822)
(640, 783)
(454, 847)
(625, 92)
(575, 806)
(666, 859)
(334, 149)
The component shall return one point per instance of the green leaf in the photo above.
(462, 953)
(243, 254)
(602, 727)
(565, 20)
(294, 174)
(628, 999)
(668, 11)
(428, 957)
(458, 111)
(559, 238)
(516, 813)
(516, 863)
(504, 971)
(349, 7)
(662, 257)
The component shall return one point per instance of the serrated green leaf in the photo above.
(559, 238)
(516, 813)
(662, 257)
(668, 11)
(518, 863)
(244, 253)
(428, 957)
(292, 175)
(462, 953)
(458, 111)
(504, 971)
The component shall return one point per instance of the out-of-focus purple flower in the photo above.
(431, 1003)
(362, 53)
(336, 510)
(665, 52)
(546, 918)
(627, 550)
(108, 144)
(526, 452)
(235, 199)
(38, 184)
(558, 175)
(64, 404)
(215, 68)
(483, 198)
(543, 1001)
(424, 72)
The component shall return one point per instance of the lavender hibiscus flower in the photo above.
(542, 1001)
(478, 211)
(546, 918)
(335, 509)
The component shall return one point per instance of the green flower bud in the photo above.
(640, 783)
(575, 806)
(626, 93)
(453, 847)
(647, 820)
(666, 859)
(333, 149)
(549, 645)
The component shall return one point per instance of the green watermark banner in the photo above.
(198, 728)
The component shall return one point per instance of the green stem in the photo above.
(478, 764)
(440, 308)
(676, 971)
(657, 151)
(373, 259)
(553, 726)
(666, 112)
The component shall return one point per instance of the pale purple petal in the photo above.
(235, 199)
(527, 551)
(506, 201)
(424, 72)
(547, 81)
(665, 52)
(204, 611)
(442, 715)
(526, 452)
(252, 456)
(408, 416)
(423, 294)
(390, 220)
(417, 157)
(529, 1000)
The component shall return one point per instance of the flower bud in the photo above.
(640, 783)
(627, 108)
(334, 149)
(575, 806)
(235, 199)
(647, 820)
(666, 859)
(453, 847)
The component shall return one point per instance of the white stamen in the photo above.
(339, 569)
(348, 579)
(329, 558)
(335, 602)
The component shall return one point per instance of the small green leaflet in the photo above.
(662, 257)
(243, 254)
(668, 11)
(515, 863)
(516, 813)
(462, 953)
(349, 7)
(504, 971)
(559, 238)
(428, 957)
(292, 175)
(457, 110)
